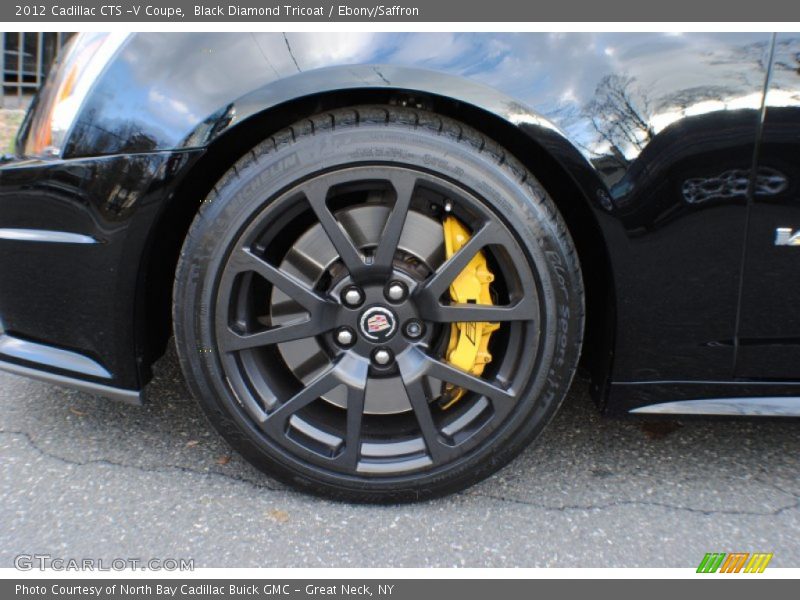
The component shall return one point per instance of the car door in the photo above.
(768, 337)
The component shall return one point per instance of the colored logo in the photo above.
(377, 323)
(735, 562)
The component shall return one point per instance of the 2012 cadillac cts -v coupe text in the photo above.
(382, 255)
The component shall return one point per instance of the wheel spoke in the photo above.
(413, 366)
(244, 260)
(355, 414)
(316, 194)
(324, 382)
(449, 270)
(404, 184)
(441, 370)
(418, 398)
(523, 310)
(231, 341)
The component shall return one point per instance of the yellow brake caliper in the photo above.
(468, 348)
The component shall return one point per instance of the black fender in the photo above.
(610, 116)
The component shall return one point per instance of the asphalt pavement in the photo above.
(82, 477)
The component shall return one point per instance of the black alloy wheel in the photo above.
(313, 313)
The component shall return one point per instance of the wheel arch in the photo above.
(568, 177)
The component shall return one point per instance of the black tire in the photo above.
(494, 185)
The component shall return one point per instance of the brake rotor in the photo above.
(313, 258)
(424, 245)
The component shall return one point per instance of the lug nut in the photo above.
(414, 329)
(352, 296)
(396, 291)
(345, 336)
(382, 357)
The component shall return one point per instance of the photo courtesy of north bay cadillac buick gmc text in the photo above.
(383, 257)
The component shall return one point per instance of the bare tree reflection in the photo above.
(789, 63)
(619, 113)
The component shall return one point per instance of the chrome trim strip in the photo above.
(42, 235)
(776, 406)
(50, 356)
(784, 236)
(107, 391)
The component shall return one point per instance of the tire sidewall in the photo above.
(266, 173)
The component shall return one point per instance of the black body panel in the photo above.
(83, 297)
(657, 134)
(769, 331)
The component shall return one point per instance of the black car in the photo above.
(382, 256)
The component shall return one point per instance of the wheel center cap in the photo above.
(378, 324)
